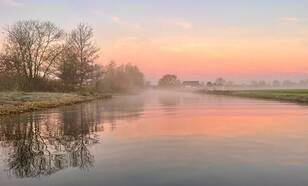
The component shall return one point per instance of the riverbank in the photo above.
(293, 95)
(19, 102)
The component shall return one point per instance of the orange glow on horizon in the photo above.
(214, 56)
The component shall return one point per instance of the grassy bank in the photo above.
(297, 96)
(18, 102)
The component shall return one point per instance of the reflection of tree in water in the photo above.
(124, 107)
(78, 133)
(169, 102)
(42, 144)
(28, 153)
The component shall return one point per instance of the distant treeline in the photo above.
(172, 81)
(39, 56)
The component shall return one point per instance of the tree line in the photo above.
(40, 56)
(172, 81)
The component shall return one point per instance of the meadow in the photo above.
(289, 95)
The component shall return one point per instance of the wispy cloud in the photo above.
(290, 20)
(180, 23)
(13, 3)
(119, 21)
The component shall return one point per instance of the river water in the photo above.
(158, 138)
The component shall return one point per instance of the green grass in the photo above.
(18, 102)
(293, 95)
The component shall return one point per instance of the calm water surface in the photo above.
(158, 139)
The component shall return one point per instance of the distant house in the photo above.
(192, 84)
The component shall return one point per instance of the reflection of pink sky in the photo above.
(223, 125)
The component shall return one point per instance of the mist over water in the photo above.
(158, 138)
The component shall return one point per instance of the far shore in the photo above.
(286, 95)
(19, 102)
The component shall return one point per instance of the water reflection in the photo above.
(38, 144)
(36, 147)
(169, 100)
(158, 138)
(123, 107)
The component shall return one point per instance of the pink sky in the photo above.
(197, 40)
(233, 55)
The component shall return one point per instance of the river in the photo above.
(157, 138)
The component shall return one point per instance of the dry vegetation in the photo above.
(18, 102)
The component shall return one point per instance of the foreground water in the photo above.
(158, 138)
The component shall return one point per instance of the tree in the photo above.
(288, 83)
(121, 78)
(67, 69)
(83, 52)
(276, 83)
(220, 82)
(38, 55)
(31, 50)
(97, 76)
(209, 84)
(169, 81)
(262, 83)
(135, 77)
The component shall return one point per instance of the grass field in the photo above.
(293, 95)
(18, 102)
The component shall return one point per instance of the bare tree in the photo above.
(31, 50)
(81, 46)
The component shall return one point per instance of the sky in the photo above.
(239, 40)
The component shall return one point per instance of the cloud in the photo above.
(180, 23)
(119, 21)
(13, 3)
(290, 20)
